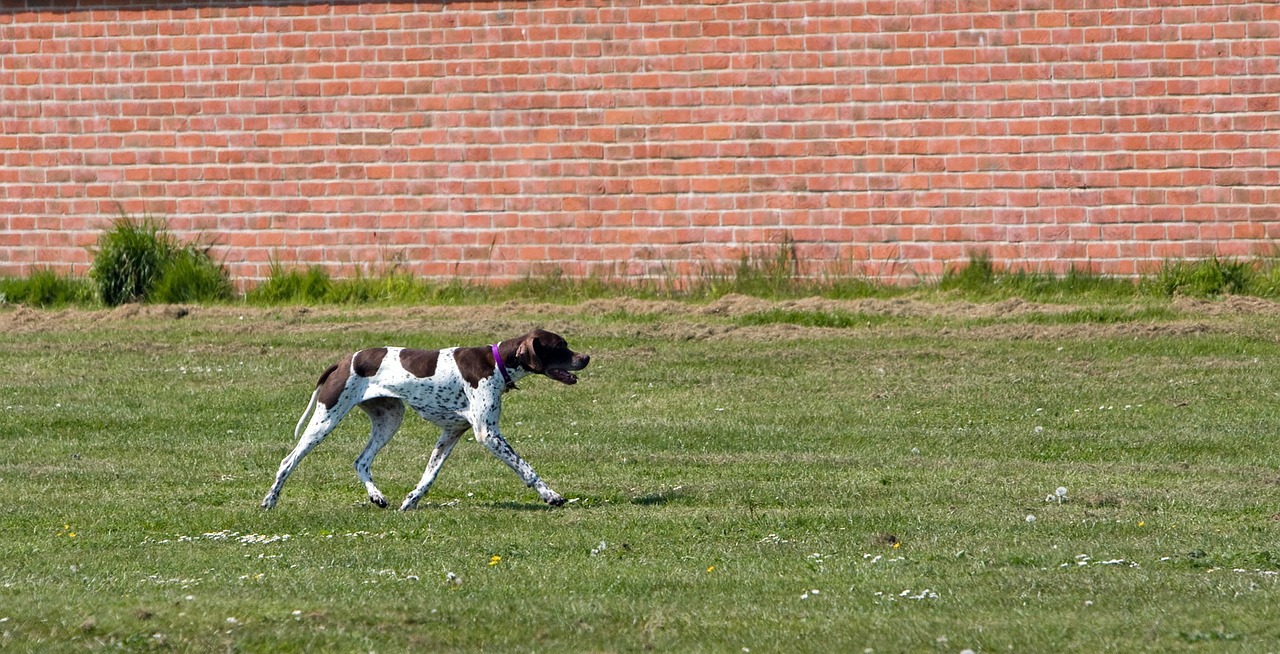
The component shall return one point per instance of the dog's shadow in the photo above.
(659, 498)
(522, 506)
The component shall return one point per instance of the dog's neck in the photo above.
(508, 376)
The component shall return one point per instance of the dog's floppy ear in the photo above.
(527, 355)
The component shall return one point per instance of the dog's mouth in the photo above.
(562, 376)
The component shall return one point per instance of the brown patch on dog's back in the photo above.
(419, 363)
(333, 382)
(475, 364)
(367, 362)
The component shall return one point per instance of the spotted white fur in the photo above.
(455, 397)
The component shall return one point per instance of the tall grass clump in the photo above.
(391, 287)
(980, 279)
(140, 261)
(313, 285)
(1266, 278)
(46, 288)
(555, 284)
(979, 276)
(130, 258)
(770, 275)
(1203, 278)
(191, 275)
(292, 286)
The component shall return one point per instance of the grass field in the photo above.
(812, 475)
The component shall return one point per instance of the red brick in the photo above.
(1067, 132)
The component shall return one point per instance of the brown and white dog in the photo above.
(456, 389)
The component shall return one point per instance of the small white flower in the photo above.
(232, 621)
(1030, 518)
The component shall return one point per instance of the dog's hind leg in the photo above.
(322, 422)
(443, 447)
(385, 414)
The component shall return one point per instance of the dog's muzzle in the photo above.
(563, 375)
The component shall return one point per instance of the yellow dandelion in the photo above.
(494, 560)
(1142, 523)
(711, 568)
(897, 544)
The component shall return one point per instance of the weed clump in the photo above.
(1206, 277)
(140, 261)
(292, 286)
(45, 288)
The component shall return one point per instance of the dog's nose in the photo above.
(586, 358)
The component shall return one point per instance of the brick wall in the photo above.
(491, 140)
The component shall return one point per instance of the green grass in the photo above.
(45, 288)
(140, 261)
(729, 466)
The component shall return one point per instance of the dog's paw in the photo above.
(378, 501)
(555, 500)
(268, 503)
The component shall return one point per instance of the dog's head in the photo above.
(545, 353)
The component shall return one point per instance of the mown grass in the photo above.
(890, 466)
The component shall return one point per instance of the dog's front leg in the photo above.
(487, 434)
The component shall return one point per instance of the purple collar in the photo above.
(497, 358)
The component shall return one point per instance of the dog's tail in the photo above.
(314, 394)
(306, 412)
